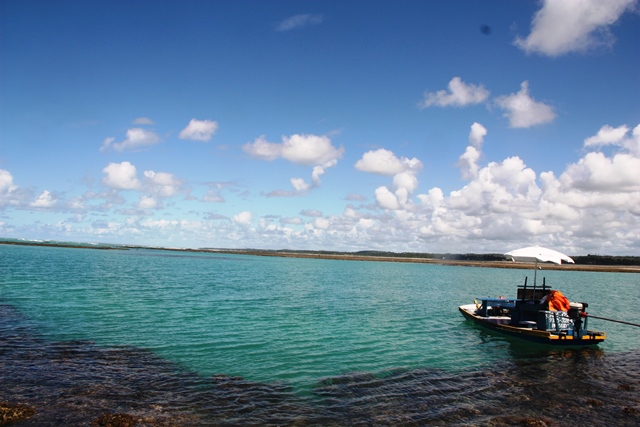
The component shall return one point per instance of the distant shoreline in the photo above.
(462, 263)
(351, 257)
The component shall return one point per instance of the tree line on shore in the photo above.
(580, 259)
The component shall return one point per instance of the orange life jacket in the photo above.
(557, 301)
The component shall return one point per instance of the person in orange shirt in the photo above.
(557, 301)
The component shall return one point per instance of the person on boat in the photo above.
(557, 301)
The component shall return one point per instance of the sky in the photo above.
(418, 126)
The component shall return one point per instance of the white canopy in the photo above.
(537, 254)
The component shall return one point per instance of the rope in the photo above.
(613, 320)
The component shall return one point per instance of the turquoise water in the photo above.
(271, 319)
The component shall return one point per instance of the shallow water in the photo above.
(209, 339)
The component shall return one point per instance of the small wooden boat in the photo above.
(529, 316)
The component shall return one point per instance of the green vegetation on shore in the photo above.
(581, 259)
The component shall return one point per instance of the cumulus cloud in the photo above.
(381, 162)
(299, 184)
(607, 135)
(563, 26)
(595, 200)
(477, 134)
(307, 150)
(386, 199)
(137, 138)
(121, 176)
(263, 149)
(199, 130)
(468, 162)
(310, 150)
(321, 223)
(156, 186)
(460, 94)
(44, 200)
(299, 21)
(8, 189)
(163, 184)
(404, 170)
(302, 149)
(621, 136)
(6, 181)
(597, 172)
(243, 218)
(523, 111)
(147, 202)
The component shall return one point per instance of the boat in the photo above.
(532, 315)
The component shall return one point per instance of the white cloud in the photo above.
(143, 121)
(243, 218)
(7, 188)
(594, 203)
(199, 130)
(263, 149)
(385, 162)
(299, 21)
(321, 223)
(468, 162)
(308, 150)
(564, 26)
(608, 135)
(44, 200)
(121, 176)
(477, 134)
(124, 176)
(597, 172)
(302, 149)
(633, 144)
(6, 181)
(404, 170)
(523, 111)
(406, 180)
(460, 94)
(299, 184)
(147, 202)
(386, 199)
(136, 138)
(163, 184)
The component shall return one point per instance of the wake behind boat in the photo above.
(537, 314)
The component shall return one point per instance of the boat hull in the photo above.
(588, 338)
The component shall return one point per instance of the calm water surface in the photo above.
(210, 339)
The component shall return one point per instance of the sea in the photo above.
(153, 337)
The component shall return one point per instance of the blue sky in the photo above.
(467, 126)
